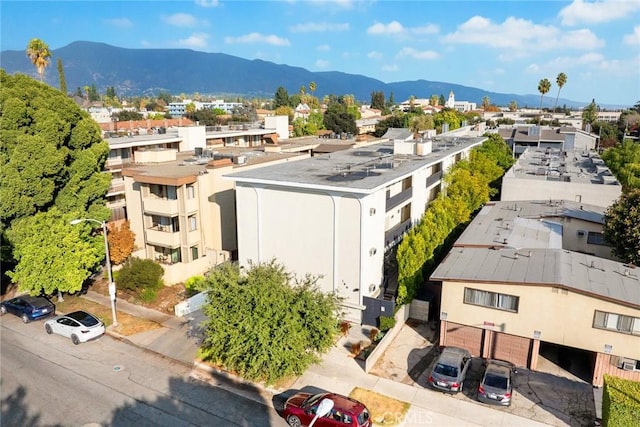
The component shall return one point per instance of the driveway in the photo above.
(550, 395)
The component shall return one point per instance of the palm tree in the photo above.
(312, 87)
(543, 87)
(38, 52)
(485, 103)
(560, 81)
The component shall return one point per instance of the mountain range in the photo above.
(133, 72)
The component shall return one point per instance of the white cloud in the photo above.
(322, 63)
(596, 12)
(633, 38)
(390, 67)
(499, 71)
(318, 27)
(521, 37)
(343, 4)
(323, 48)
(207, 3)
(533, 69)
(416, 54)
(258, 38)
(180, 20)
(198, 40)
(119, 22)
(374, 54)
(394, 28)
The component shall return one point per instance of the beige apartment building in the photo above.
(525, 277)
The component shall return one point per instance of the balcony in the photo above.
(436, 177)
(163, 236)
(116, 187)
(160, 206)
(398, 199)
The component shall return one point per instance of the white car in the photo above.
(80, 326)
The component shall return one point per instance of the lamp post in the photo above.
(112, 285)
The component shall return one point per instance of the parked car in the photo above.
(28, 308)
(450, 369)
(80, 326)
(300, 409)
(496, 386)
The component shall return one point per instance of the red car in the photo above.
(300, 409)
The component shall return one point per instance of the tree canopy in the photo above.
(264, 323)
(622, 227)
(51, 162)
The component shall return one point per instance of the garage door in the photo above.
(511, 348)
(463, 336)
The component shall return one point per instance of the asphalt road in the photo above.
(45, 380)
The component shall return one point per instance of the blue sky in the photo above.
(501, 46)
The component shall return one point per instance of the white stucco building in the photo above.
(336, 215)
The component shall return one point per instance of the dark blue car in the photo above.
(28, 308)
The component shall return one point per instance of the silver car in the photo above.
(80, 326)
(450, 370)
(496, 386)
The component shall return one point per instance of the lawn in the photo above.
(127, 324)
(384, 410)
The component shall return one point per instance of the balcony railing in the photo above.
(165, 207)
(434, 178)
(399, 198)
(159, 237)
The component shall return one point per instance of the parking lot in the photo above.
(549, 395)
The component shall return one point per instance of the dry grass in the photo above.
(127, 324)
(384, 410)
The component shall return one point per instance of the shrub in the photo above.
(195, 284)
(148, 295)
(137, 275)
(620, 405)
(386, 323)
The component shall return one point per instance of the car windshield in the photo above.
(496, 381)
(85, 318)
(448, 371)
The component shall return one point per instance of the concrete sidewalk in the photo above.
(178, 339)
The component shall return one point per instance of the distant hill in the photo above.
(147, 71)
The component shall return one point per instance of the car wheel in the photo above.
(3, 309)
(47, 328)
(74, 339)
(25, 318)
(294, 421)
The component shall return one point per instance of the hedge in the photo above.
(620, 402)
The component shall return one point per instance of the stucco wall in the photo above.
(561, 317)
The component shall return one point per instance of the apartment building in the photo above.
(179, 109)
(564, 138)
(181, 209)
(526, 278)
(565, 174)
(337, 215)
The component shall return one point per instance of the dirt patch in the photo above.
(127, 324)
(384, 410)
(167, 296)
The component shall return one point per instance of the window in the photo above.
(491, 299)
(193, 223)
(194, 253)
(616, 322)
(191, 191)
(595, 238)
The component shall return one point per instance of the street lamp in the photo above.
(112, 285)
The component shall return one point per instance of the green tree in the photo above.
(485, 103)
(590, 113)
(166, 97)
(266, 324)
(63, 81)
(513, 106)
(39, 54)
(51, 156)
(434, 100)
(622, 227)
(397, 120)
(624, 162)
(561, 80)
(281, 98)
(51, 255)
(337, 117)
(312, 87)
(377, 100)
(126, 115)
(441, 101)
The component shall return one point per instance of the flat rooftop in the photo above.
(552, 164)
(361, 169)
(525, 224)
